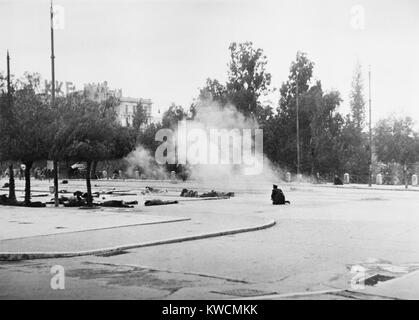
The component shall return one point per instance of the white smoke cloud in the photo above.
(141, 160)
(209, 116)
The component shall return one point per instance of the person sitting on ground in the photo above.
(278, 196)
(337, 181)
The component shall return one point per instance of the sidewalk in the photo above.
(92, 232)
(21, 222)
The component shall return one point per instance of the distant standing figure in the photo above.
(278, 196)
(22, 171)
(104, 174)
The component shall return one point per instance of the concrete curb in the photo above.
(18, 256)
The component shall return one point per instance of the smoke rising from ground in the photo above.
(210, 116)
(141, 160)
(213, 116)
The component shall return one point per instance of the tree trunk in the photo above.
(67, 170)
(312, 159)
(12, 193)
(94, 168)
(55, 171)
(312, 171)
(28, 183)
(89, 187)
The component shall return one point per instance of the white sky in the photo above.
(164, 50)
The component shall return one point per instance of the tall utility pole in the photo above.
(370, 131)
(12, 194)
(298, 131)
(55, 164)
(8, 82)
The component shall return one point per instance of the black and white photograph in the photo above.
(233, 151)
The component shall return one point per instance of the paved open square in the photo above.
(221, 150)
(309, 251)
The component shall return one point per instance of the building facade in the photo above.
(126, 108)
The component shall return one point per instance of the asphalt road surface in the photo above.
(313, 247)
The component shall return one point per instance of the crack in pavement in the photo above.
(171, 271)
(360, 295)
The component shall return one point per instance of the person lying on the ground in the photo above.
(4, 200)
(85, 195)
(192, 194)
(152, 190)
(217, 194)
(189, 193)
(116, 204)
(77, 193)
(80, 202)
(76, 201)
(35, 204)
(278, 196)
(107, 191)
(158, 202)
(61, 200)
(131, 202)
(94, 194)
(40, 195)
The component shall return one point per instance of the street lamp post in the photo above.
(298, 130)
(55, 163)
(12, 194)
(9, 99)
(370, 131)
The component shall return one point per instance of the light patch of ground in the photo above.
(20, 222)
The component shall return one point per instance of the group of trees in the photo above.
(247, 82)
(396, 147)
(78, 129)
(73, 129)
(330, 142)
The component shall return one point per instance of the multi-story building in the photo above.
(100, 91)
(126, 108)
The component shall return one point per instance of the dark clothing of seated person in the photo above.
(337, 181)
(278, 196)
